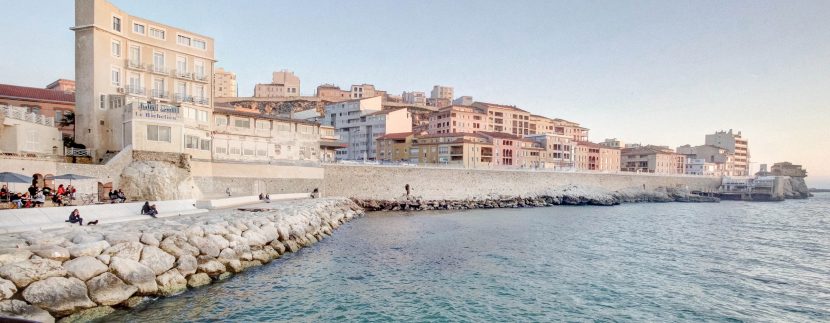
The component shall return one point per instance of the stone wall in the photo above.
(385, 183)
(213, 178)
(82, 273)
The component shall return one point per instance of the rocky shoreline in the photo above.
(83, 273)
(571, 195)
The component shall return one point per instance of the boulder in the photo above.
(25, 272)
(218, 240)
(85, 237)
(134, 273)
(52, 252)
(228, 254)
(104, 258)
(234, 266)
(14, 255)
(197, 280)
(149, 239)
(255, 238)
(262, 256)
(292, 246)
(278, 246)
(248, 264)
(88, 315)
(88, 249)
(127, 250)
(206, 246)
(134, 301)
(211, 267)
(171, 283)
(187, 265)
(177, 246)
(158, 260)
(22, 310)
(115, 238)
(108, 289)
(158, 181)
(7, 289)
(85, 267)
(58, 295)
(216, 229)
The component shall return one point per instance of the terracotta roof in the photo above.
(500, 135)
(256, 115)
(397, 135)
(33, 93)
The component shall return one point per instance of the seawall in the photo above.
(85, 272)
(387, 183)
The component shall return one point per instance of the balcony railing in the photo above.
(160, 94)
(201, 100)
(178, 97)
(76, 152)
(21, 113)
(183, 74)
(135, 90)
(132, 64)
(158, 69)
(200, 77)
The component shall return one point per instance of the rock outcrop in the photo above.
(82, 273)
(157, 180)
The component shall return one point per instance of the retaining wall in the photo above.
(214, 178)
(387, 182)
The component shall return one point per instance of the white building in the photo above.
(359, 122)
(417, 98)
(734, 143)
(699, 166)
(463, 100)
(442, 92)
(27, 132)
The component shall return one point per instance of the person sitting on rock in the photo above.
(148, 209)
(75, 217)
(121, 196)
(267, 198)
(113, 197)
(315, 193)
(261, 196)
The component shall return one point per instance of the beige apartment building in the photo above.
(139, 82)
(505, 118)
(736, 144)
(394, 147)
(652, 159)
(454, 119)
(442, 92)
(360, 91)
(254, 137)
(467, 150)
(332, 93)
(589, 156)
(284, 84)
(224, 84)
(708, 160)
(559, 150)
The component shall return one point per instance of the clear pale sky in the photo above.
(653, 72)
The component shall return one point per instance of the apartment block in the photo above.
(613, 143)
(418, 98)
(253, 137)
(559, 150)
(359, 122)
(23, 131)
(736, 144)
(505, 118)
(463, 100)
(442, 92)
(468, 150)
(507, 148)
(224, 84)
(139, 82)
(453, 119)
(652, 159)
(589, 156)
(284, 84)
(332, 93)
(395, 147)
(716, 161)
(360, 91)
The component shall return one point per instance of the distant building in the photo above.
(395, 147)
(438, 102)
(468, 150)
(418, 98)
(788, 169)
(360, 91)
(23, 131)
(716, 161)
(559, 150)
(53, 103)
(507, 148)
(224, 84)
(613, 143)
(332, 93)
(442, 92)
(736, 144)
(505, 118)
(454, 119)
(652, 159)
(590, 156)
(283, 84)
(463, 100)
(359, 122)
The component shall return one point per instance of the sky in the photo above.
(650, 72)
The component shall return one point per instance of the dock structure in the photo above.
(761, 188)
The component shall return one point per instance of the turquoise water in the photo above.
(732, 261)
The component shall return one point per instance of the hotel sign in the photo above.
(156, 111)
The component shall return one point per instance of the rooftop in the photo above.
(397, 135)
(33, 93)
(225, 111)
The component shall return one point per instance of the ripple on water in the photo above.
(732, 261)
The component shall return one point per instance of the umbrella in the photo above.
(9, 177)
(70, 177)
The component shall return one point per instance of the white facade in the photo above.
(359, 122)
(249, 137)
(463, 100)
(699, 166)
(26, 132)
(417, 98)
(442, 92)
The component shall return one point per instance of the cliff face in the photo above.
(796, 189)
(158, 180)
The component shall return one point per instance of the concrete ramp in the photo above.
(245, 200)
(46, 218)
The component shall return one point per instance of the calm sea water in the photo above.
(732, 261)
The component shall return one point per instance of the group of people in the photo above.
(36, 196)
(117, 196)
(146, 209)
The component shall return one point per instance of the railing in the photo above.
(160, 94)
(183, 74)
(21, 113)
(200, 77)
(178, 97)
(77, 152)
(134, 90)
(135, 65)
(158, 69)
(201, 100)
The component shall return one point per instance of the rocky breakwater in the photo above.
(83, 273)
(567, 195)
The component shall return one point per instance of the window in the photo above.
(235, 151)
(116, 24)
(204, 144)
(221, 150)
(115, 76)
(248, 151)
(181, 90)
(158, 133)
(200, 44)
(158, 88)
(183, 40)
(263, 124)
(158, 60)
(181, 65)
(199, 68)
(202, 116)
(138, 28)
(58, 115)
(191, 142)
(281, 126)
(135, 55)
(222, 121)
(116, 48)
(156, 33)
(242, 123)
(277, 149)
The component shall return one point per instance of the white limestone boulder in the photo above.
(108, 289)
(171, 283)
(134, 273)
(127, 250)
(158, 260)
(85, 267)
(22, 310)
(25, 272)
(58, 295)
(88, 248)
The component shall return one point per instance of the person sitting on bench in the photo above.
(75, 217)
(148, 209)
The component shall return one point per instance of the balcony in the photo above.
(135, 65)
(183, 74)
(201, 100)
(21, 113)
(182, 98)
(135, 90)
(160, 94)
(200, 77)
(158, 69)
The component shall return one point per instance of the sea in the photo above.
(653, 262)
